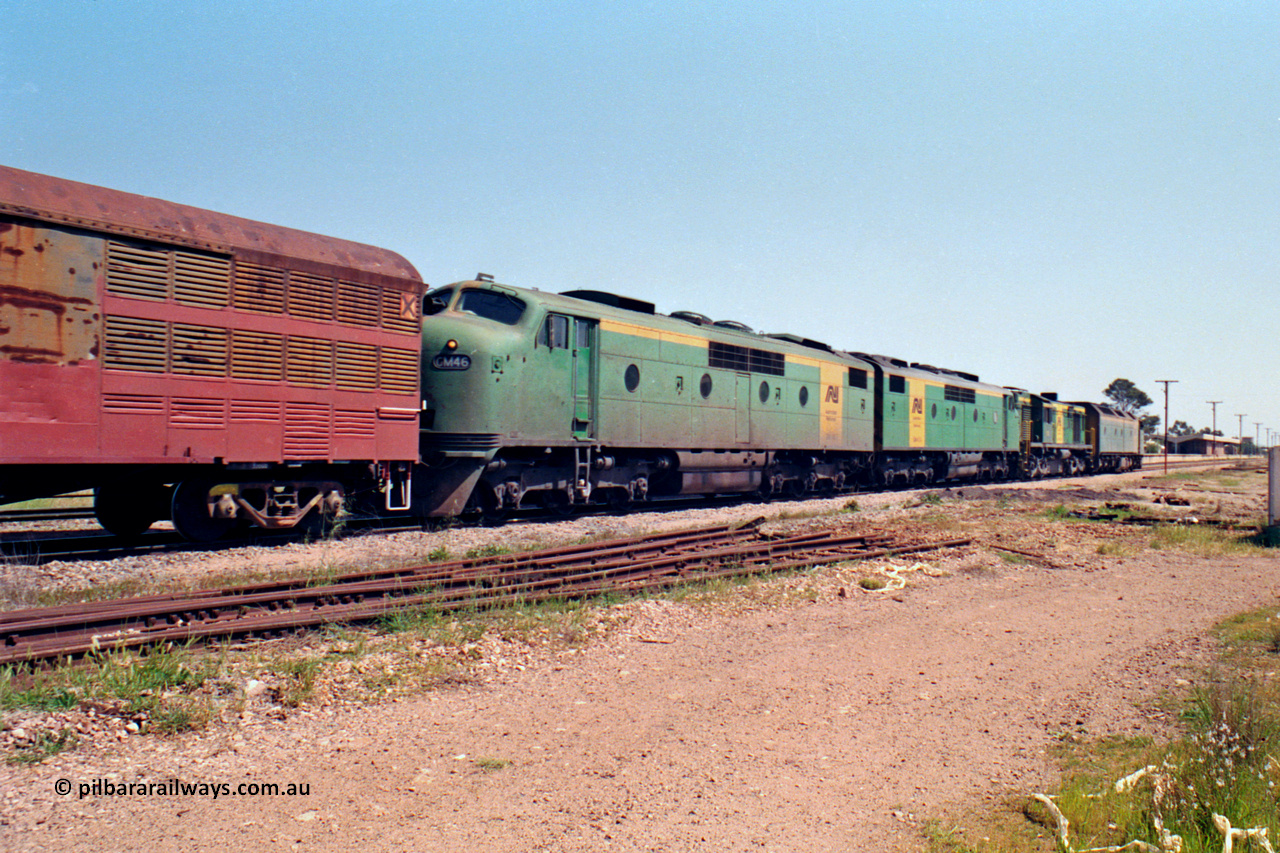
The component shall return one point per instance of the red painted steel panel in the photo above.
(141, 371)
(48, 412)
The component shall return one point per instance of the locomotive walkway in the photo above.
(274, 609)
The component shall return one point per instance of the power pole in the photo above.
(1240, 434)
(1214, 403)
(1257, 436)
(1167, 383)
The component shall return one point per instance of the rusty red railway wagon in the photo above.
(190, 365)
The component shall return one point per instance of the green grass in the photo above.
(1061, 512)
(486, 551)
(44, 745)
(1203, 541)
(1225, 760)
(1117, 549)
(160, 687)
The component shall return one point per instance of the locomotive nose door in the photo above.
(583, 376)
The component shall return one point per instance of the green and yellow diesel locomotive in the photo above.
(585, 396)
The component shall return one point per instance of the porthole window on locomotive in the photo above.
(705, 385)
(804, 396)
(953, 413)
(632, 378)
(764, 392)
(975, 416)
(933, 411)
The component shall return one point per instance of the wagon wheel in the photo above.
(191, 513)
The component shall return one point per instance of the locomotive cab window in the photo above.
(897, 385)
(492, 305)
(434, 303)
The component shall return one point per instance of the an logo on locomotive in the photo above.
(455, 361)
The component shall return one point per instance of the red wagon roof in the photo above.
(42, 197)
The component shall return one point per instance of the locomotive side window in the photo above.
(555, 332)
(492, 305)
(897, 385)
(804, 396)
(704, 387)
(857, 378)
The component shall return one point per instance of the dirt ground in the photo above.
(832, 718)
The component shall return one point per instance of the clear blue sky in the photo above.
(1048, 194)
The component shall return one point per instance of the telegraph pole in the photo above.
(1214, 403)
(1257, 437)
(1167, 383)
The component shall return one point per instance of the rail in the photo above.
(271, 609)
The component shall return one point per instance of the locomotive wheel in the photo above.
(557, 502)
(191, 514)
(127, 512)
(618, 501)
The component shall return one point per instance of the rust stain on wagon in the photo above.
(48, 311)
(34, 196)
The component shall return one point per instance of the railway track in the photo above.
(23, 516)
(576, 571)
(42, 546)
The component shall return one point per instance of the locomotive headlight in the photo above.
(451, 345)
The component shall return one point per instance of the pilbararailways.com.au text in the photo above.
(179, 788)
